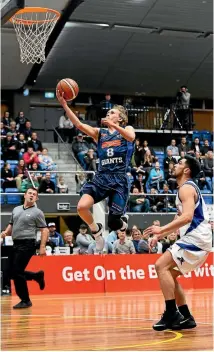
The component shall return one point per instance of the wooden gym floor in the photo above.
(96, 322)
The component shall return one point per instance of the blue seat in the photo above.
(196, 134)
(12, 198)
(2, 163)
(1, 197)
(206, 135)
(208, 200)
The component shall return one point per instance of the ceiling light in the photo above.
(73, 24)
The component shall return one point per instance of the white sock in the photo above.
(124, 227)
(94, 227)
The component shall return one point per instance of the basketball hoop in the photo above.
(33, 25)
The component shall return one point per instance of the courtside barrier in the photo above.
(109, 273)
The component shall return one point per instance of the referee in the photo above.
(24, 222)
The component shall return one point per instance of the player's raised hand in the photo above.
(60, 97)
(153, 230)
(152, 242)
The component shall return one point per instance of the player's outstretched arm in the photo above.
(90, 131)
(187, 195)
(128, 132)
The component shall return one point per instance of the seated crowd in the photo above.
(151, 172)
(22, 151)
(132, 241)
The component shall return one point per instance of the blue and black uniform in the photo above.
(111, 181)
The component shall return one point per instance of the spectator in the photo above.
(93, 250)
(167, 203)
(30, 157)
(195, 147)
(184, 146)
(136, 237)
(173, 148)
(28, 130)
(143, 246)
(6, 174)
(4, 131)
(208, 169)
(138, 202)
(9, 147)
(201, 181)
(21, 122)
(55, 237)
(35, 143)
(80, 148)
(45, 161)
(146, 147)
(36, 172)
(69, 241)
(206, 147)
(66, 128)
(13, 130)
(138, 152)
(156, 177)
(83, 239)
(148, 161)
(182, 107)
(107, 103)
(20, 173)
(169, 158)
(22, 144)
(6, 119)
(156, 223)
(61, 186)
(153, 200)
(198, 157)
(170, 178)
(46, 185)
(80, 181)
(140, 182)
(123, 245)
(171, 239)
(90, 160)
(29, 182)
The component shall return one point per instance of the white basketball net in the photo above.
(32, 31)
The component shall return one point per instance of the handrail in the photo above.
(67, 147)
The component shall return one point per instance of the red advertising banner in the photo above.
(109, 273)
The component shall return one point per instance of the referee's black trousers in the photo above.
(19, 258)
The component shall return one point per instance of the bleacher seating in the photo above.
(12, 198)
(1, 197)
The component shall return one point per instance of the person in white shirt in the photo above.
(66, 128)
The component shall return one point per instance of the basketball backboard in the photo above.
(9, 8)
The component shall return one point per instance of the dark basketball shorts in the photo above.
(114, 187)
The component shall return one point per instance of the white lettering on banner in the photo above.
(152, 272)
(126, 273)
(99, 273)
(122, 273)
(68, 275)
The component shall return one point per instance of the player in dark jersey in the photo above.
(115, 146)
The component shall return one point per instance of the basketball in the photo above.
(69, 87)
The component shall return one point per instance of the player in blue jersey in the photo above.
(115, 146)
(187, 253)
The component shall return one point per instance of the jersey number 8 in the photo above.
(110, 152)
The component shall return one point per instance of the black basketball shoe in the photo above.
(169, 321)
